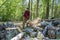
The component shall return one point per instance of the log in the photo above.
(14, 28)
(18, 37)
(37, 28)
(10, 28)
(35, 22)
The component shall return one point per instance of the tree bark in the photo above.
(47, 9)
(31, 11)
(37, 8)
(52, 8)
(29, 4)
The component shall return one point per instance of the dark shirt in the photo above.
(27, 14)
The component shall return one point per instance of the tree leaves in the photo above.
(13, 9)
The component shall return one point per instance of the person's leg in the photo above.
(24, 22)
(27, 23)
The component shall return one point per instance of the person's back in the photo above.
(26, 14)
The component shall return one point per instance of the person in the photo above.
(26, 16)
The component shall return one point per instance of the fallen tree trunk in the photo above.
(18, 37)
(35, 22)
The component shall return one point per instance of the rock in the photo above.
(58, 33)
(10, 24)
(43, 23)
(46, 38)
(33, 34)
(51, 33)
(35, 38)
(40, 36)
(47, 27)
(28, 30)
(55, 23)
(27, 38)
(2, 33)
(11, 33)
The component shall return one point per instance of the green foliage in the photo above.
(12, 10)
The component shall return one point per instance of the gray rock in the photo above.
(28, 30)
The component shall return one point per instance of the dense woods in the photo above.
(29, 19)
(12, 10)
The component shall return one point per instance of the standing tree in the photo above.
(37, 8)
(47, 9)
(52, 8)
(31, 10)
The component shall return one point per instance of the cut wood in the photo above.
(18, 37)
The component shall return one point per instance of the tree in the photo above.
(52, 8)
(13, 9)
(47, 9)
(37, 8)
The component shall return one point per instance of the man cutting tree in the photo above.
(26, 16)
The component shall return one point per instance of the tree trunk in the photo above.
(31, 11)
(55, 12)
(37, 8)
(52, 8)
(47, 9)
(29, 4)
(56, 8)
